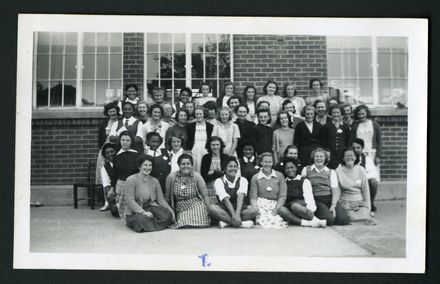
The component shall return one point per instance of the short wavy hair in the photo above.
(319, 149)
(212, 139)
(357, 161)
(153, 107)
(110, 106)
(295, 92)
(220, 109)
(267, 84)
(126, 133)
(185, 156)
(359, 108)
(144, 158)
(315, 80)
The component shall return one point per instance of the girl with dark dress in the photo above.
(108, 179)
(307, 135)
(179, 129)
(249, 162)
(159, 157)
(222, 100)
(125, 164)
(335, 136)
(246, 127)
(263, 132)
(146, 210)
(300, 204)
(231, 190)
(128, 123)
(184, 97)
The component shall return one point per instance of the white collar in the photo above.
(153, 153)
(298, 177)
(262, 175)
(313, 167)
(230, 183)
(247, 160)
(130, 120)
(176, 154)
(129, 150)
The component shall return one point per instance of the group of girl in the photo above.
(238, 160)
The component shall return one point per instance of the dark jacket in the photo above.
(191, 132)
(206, 164)
(102, 136)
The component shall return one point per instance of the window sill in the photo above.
(68, 113)
(388, 111)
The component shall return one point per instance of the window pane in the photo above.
(56, 67)
(70, 66)
(179, 65)
(365, 65)
(399, 65)
(116, 85)
(89, 43)
(213, 84)
(392, 42)
(392, 91)
(210, 43)
(42, 93)
(195, 84)
(352, 64)
(71, 42)
(210, 65)
(179, 42)
(102, 42)
(165, 42)
(116, 42)
(166, 66)
(167, 84)
(385, 91)
(69, 93)
(334, 65)
(56, 93)
(43, 42)
(88, 89)
(101, 86)
(224, 43)
(152, 65)
(197, 65)
(179, 84)
(384, 70)
(89, 66)
(224, 65)
(102, 66)
(197, 42)
(42, 67)
(115, 66)
(366, 90)
(57, 42)
(152, 42)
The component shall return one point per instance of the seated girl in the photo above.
(146, 210)
(268, 193)
(231, 190)
(300, 205)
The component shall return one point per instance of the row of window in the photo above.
(86, 69)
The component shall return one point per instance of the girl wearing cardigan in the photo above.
(146, 210)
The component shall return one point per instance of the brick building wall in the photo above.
(285, 58)
(133, 66)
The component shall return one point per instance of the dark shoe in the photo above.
(373, 208)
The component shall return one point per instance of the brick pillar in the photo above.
(134, 59)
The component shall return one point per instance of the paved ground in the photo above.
(64, 229)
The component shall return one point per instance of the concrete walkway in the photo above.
(64, 229)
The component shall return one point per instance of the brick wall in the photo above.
(134, 59)
(258, 58)
(60, 150)
(394, 151)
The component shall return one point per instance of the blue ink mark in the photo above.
(205, 262)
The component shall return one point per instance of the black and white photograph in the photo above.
(221, 143)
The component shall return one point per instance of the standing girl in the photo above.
(290, 94)
(229, 88)
(263, 132)
(270, 90)
(283, 136)
(198, 134)
(155, 123)
(250, 99)
(227, 131)
(307, 135)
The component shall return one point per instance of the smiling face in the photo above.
(131, 93)
(167, 110)
(125, 142)
(290, 169)
(231, 169)
(229, 90)
(158, 96)
(267, 163)
(284, 120)
(182, 117)
(142, 109)
(184, 97)
(146, 168)
(362, 115)
(248, 151)
(127, 111)
(292, 153)
(271, 89)
(154, 143)
(224, 116)
(290, 91)
(321, 109)
(189, 108)
(199, 114)
(349, 158)
(185, 166)
(319, 159)
(109, 154)
(176, 143)
(357, 148)
(336, 114)
(289, 108)
(233, 103)
(156, 114)
(215, 147)
(347, 111)
(112, 113)
(205, 90)
(242, 113)
(309, 115)
(316, 85)
(263, 118)
(250, 93)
